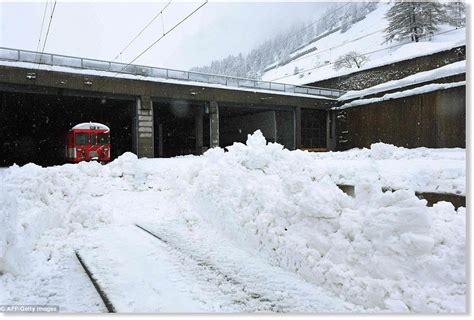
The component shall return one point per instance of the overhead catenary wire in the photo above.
(42, 25)
(336, 46)
(164, 35)
(311, 24)
(365, 53)
(160, 13)
(314, 22)
(47, 31)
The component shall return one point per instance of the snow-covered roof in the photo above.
(91, 125)
(423, 89)
(420, 77)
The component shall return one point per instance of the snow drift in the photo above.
(379, 250)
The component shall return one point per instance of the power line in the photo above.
(366, 53)
(164, 34)
(334, 47)
(42, 24)
(310, 25)
(313, 23)
(49, 26)
(141, 31)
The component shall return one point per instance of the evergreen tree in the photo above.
(456, 14)
(413, 19)
(433, 14)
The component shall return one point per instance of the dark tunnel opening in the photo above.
(181, 128)
(237, 122)
(32, 126)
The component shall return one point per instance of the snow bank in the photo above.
(444, 71)
(384, 251)
(35, 200)
(419, 169)
(406, 93)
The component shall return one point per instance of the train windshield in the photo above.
(103, 138)
(82, 139)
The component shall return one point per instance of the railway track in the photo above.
(241, 296)
(155, 269)
(103, 296)
(245, 295)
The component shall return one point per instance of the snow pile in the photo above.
(444, 71)
(35, 200)
(379, 250)
(386, 151)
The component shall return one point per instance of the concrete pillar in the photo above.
(199, 113)
(145, 143)
(298, 128)
(160, 140)
(214, 124)
(331, 130)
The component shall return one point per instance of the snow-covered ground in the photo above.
(365, 37)
(257, 228)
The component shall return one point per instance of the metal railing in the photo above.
(9, 54)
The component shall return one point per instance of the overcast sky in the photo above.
(102, 29)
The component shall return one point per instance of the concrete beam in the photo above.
(160, 90)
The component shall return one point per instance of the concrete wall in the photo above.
(371, 77)
(436, 120)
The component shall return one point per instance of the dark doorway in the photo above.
(237, 122)
(180, 127)
(313, 129)
(32, 126)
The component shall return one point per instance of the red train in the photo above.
(88, 141)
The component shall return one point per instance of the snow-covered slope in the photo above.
(365, 37)
(257, 228)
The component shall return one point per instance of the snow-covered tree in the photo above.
(346, 22)
(456, 14)
(350, 60)
(414, 19)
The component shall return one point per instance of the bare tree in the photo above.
(350, 60)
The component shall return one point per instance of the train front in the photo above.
(88, 141)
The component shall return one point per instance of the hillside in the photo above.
(365, 37)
